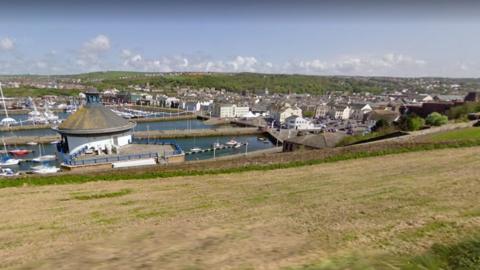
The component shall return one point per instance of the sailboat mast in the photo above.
(3, 101)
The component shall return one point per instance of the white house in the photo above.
(321, 111)
(230, 110)
(298, 122)
(358, 111)
(340, 112)
(191, 106)
(281, 112)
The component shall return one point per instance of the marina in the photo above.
(205, 143)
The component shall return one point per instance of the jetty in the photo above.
(204, 150)
(152, 134)
(190, 133)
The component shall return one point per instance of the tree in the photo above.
(436, 119)
(411, 123)
(308, 114)
(380, 124)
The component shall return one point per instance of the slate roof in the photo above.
(318, 141)
(94, 119)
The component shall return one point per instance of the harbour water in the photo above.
(185, 143)
(143, 126)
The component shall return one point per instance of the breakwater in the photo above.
(137, 120)
(172, 134)
(153, 134)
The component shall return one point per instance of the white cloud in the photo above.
(99, 43)
(89, 57)
(7, 44)
(387, 64)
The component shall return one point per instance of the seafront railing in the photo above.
(109, 159)
(177, 149)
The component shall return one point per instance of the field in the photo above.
(459, 134)
(376, 212)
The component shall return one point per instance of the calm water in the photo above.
(206, 142)
(165, 125)
(186, 144)
(47, 149)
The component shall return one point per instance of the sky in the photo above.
(368, 38)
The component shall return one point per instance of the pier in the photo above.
(172, 134)
(152, 134)
(215, 149)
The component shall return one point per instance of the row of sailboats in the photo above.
(45, 117)
(7, 121)
(35, 116)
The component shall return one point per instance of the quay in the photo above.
(172, 134)
(214, 149)
(137, 120)
(152, 134)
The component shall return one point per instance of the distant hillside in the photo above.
(275, 83)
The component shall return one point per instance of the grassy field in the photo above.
(350, 214)
(459, 134)
(37, 92)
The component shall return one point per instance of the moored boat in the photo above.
(8, 172)
(19, 152)
(195, 149)
(44, 169)
(44, 158)
(232, 142)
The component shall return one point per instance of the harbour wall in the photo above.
(153, 134)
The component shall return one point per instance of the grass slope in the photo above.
(342, 215)
(455, 135)
(257, 165)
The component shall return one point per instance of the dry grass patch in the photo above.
(398, 204)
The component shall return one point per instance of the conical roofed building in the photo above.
(94, 126)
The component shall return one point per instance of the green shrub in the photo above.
(380, 125)
(411, 123)
(463, 110)
(436, 119)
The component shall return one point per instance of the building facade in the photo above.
(230, 110)
(93, 126)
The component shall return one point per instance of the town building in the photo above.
(230, 110)
(298, 123)
(281, 112)
(358, 111)
(340, 112)
(94, 126)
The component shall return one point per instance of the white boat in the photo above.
(35, 116)
(43, 169)
(43, 158)
(7, 160)
(8, 172)
(7, 121)
(217, 145)
(232, 142)
(32, 143)
(238, 145)
(195, 149)
(49, 115)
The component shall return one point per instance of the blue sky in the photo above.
(328, 38)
